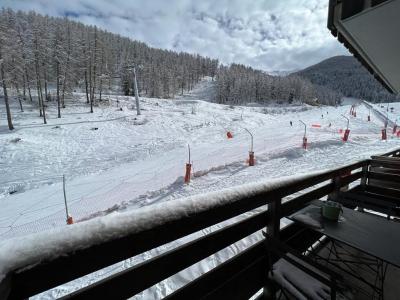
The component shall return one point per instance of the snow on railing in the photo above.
(46, 245)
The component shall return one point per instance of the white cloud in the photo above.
(269, 35)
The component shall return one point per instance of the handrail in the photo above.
(394, 152)
(171, 262)
(195, 215)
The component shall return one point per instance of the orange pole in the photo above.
(251, 158)
(187, 174)
(384, 136)
(70, 221)
(69, 218)
(346, 135)
(305, 142)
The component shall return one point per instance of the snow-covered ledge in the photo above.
(30, 250)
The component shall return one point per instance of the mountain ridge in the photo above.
(344, 74)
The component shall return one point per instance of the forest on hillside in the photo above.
(348, 77)
(237, 84)
(45, 59)
(38, 52)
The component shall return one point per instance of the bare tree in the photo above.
(93, 76)
(87, 56)
(58, 90)
(3, 80)
(67, 64)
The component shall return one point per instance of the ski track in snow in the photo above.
(134, 161)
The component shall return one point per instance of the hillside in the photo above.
(45, 59)
(45, 56)
(346, 75)
(239, 84)
(115, 161)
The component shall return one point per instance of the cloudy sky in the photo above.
(273, 35)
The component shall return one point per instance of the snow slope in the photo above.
(131, 162)
(386, 110)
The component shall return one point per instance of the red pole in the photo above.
(251, 152)
(346, 135)
(251, 158)
(188, 171)
(304, 142)
(347, 131)
(188, 168)
(305, 135)
(384, 136)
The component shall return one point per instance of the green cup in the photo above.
(331, 210)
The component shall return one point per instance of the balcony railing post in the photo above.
(364, 177)
(5, 287)
(335, 194)
(274, 218)
(273, 230)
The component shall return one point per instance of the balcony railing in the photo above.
(36, 273)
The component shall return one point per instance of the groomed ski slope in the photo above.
(134, 161)
(388, 110)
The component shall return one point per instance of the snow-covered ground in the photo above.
(133, 161)
(390, 110)
(115, 160)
